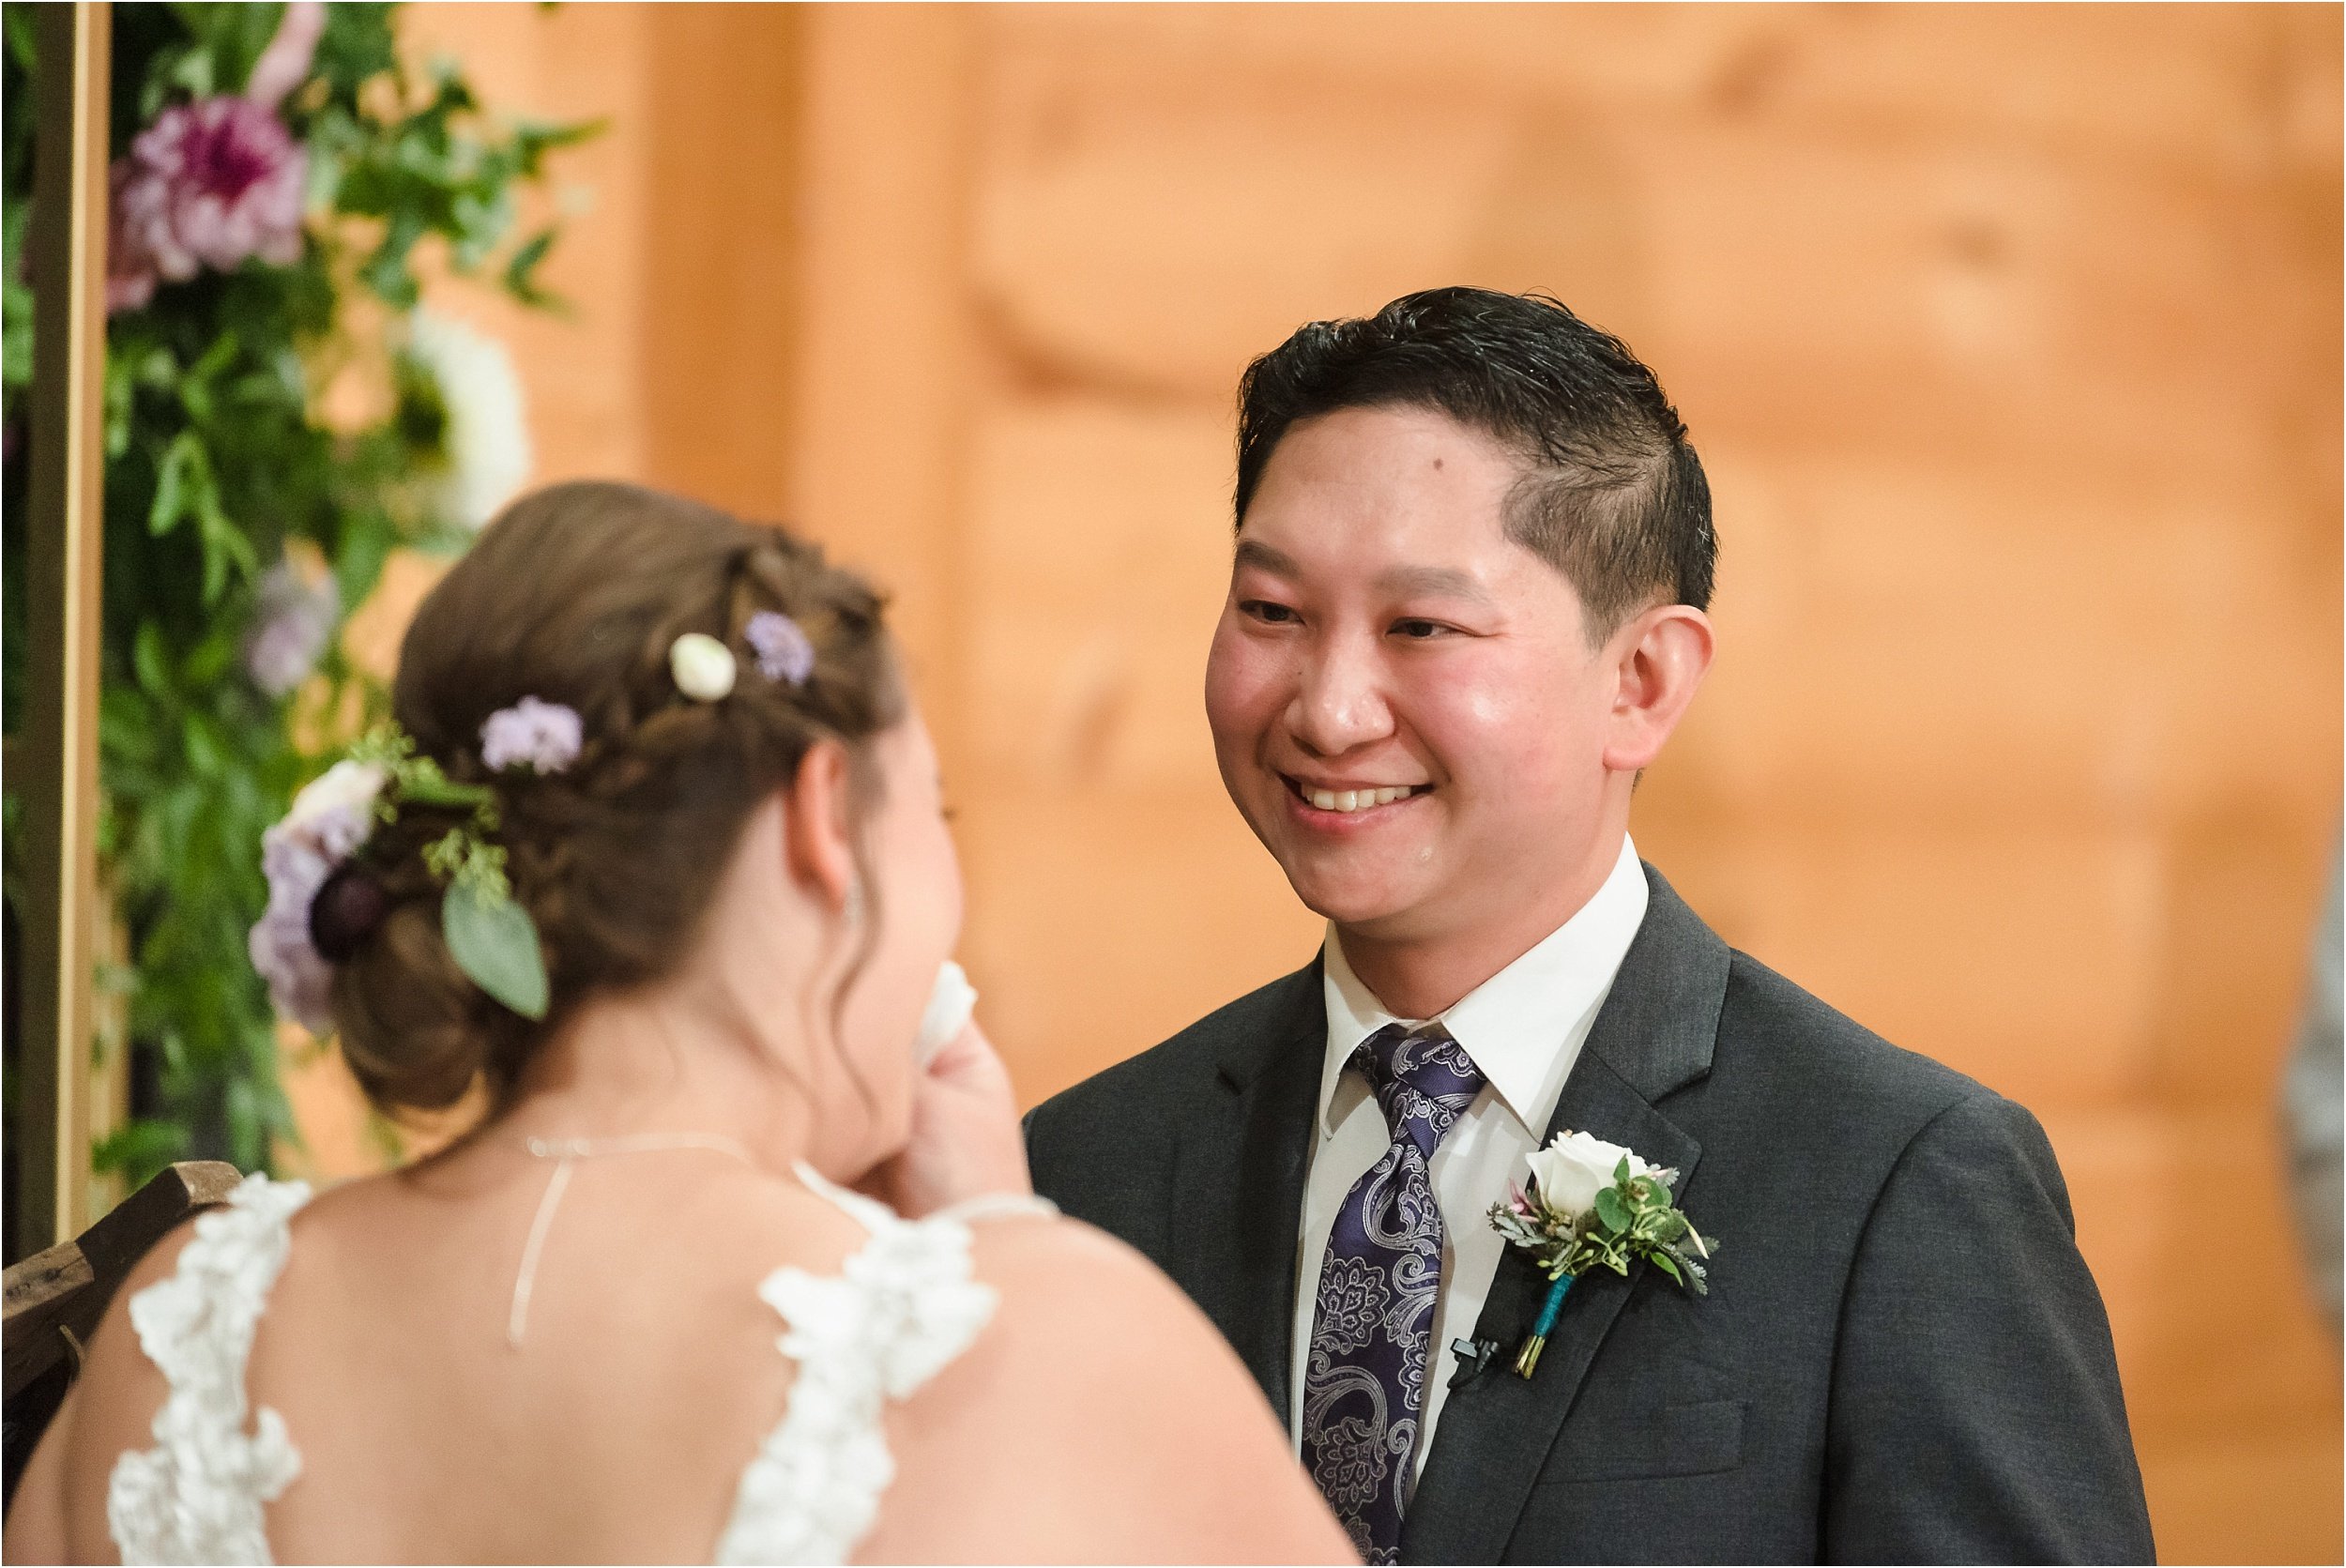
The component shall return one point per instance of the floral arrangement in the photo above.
(310, 859)
(1595, 1205)
(279, 175)
(324, 900)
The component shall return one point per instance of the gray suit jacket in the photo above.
(1902, 1357)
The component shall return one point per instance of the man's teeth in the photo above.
(1355, 800)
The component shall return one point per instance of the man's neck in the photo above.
(1423, 977)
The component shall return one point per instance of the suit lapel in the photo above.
(1653, 1036)
(1238, 1196)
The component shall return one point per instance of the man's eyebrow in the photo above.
(1263, 557)
(1432, 582)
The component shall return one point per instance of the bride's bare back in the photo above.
(1095, 1418)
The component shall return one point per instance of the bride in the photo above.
(661, 764)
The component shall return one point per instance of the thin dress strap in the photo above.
(902, 1307)
(197, 1495)
(874, 1215)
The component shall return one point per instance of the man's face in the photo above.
(1403, 702)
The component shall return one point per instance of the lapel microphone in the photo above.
(1474, 1359)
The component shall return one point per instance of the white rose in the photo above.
(1573, 1169)
(336, 809)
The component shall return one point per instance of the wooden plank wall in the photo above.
(2010, 337)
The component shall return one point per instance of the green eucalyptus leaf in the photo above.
(1611, 1211)
(494, 941)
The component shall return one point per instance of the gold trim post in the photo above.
(65, 552)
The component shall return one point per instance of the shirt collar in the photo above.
(1514, 1025)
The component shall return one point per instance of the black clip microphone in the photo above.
(1474, 1359)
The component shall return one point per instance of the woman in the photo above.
(676, 753)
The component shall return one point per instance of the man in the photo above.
(1466, 608)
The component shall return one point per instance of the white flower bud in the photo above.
(702, 665)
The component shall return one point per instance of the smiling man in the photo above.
(1466, 609)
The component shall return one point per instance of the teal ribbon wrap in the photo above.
(1527, 1358)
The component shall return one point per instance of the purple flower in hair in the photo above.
(784, 651)
(330, 818)
(545, 734)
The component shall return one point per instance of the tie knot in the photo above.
(1423, 1080)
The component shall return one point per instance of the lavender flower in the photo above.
(784, 651)
(545, 734)
(292, 621)
(208, 184)
(330, 818)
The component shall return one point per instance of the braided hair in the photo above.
(575, 596)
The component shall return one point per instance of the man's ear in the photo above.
(817, 824)
(1659, 662)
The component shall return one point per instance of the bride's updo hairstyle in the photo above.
(575, 596)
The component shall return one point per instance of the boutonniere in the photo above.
(1591, 1204)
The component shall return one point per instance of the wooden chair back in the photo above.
(55, 1299)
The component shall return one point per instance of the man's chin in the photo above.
(1380, 912)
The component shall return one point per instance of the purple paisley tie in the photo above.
(1364, 1384)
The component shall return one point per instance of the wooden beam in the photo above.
(66, 515)
(70, 1285)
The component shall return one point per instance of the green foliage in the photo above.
(1634, 1218)
(491, 936)
(493, 941)
(218, 462)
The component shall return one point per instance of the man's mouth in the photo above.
(1351, 797)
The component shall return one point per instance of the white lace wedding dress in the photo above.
(902, 1307)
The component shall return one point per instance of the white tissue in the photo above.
(950, 1003)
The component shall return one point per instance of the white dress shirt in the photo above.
(1523, 1027)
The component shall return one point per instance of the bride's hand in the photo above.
(965, 1139)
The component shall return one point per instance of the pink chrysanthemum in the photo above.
(208, 184)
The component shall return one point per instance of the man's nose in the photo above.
(1340, 702)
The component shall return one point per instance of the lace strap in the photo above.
(869, 1212)
(999, 1206)
(875, 1216)
(197, 1495)
(903, 1305)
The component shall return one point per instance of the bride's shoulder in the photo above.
(1089, 1292)
(1094, 1338)
(1042, 1259)
(1113, 1381)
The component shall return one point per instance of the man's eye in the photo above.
(1419, 630)
(1267, 611)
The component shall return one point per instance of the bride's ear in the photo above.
(818, 837)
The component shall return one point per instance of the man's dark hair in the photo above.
(1612, 495)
